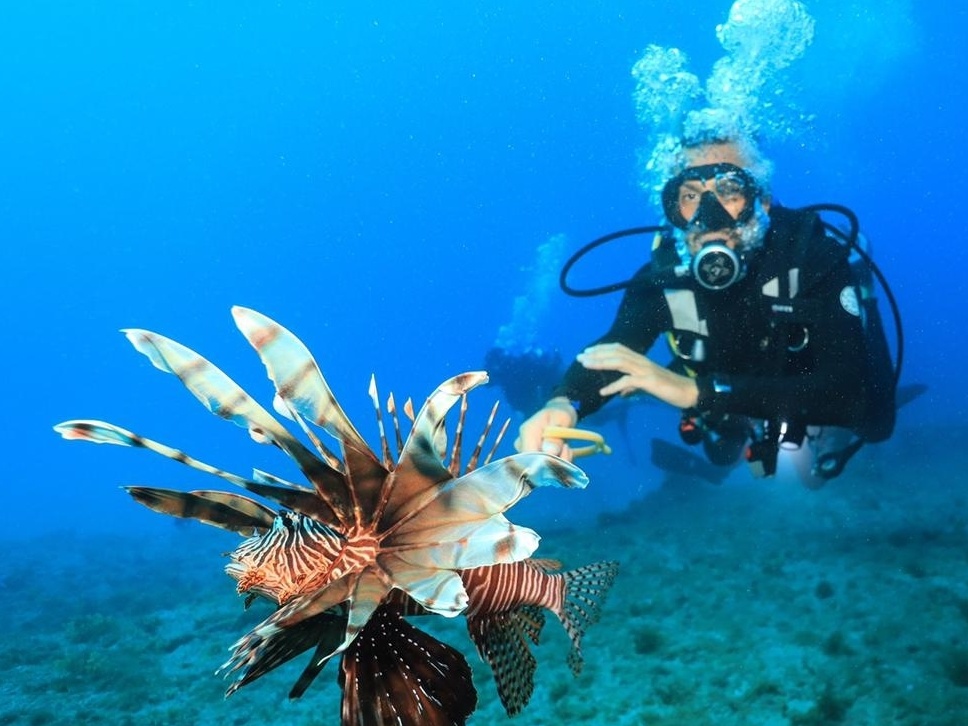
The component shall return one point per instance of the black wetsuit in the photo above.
(784, 343)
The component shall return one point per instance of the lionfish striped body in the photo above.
(503, 587)
(365, 527)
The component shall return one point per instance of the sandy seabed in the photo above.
(757, 602)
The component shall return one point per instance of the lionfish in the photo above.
(371, 539)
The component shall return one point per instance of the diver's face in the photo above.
(728, 193)
(691, 194)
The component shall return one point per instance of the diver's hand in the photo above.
(557, 412)
(640, 374)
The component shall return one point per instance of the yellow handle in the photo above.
(597, 440)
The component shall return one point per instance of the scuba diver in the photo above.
(525, 376)
(775, 341)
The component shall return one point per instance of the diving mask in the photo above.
(688, 201)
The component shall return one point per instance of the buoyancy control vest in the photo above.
(784, 314)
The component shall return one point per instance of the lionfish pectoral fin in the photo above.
(219, 509)
(396, 673)
(368, 591)
(319, 630)
(264, 477)
(326, 645)
(295, 374)
(461, 522)
(585, 591)
(366, 477)
(296, 498)
(97, 432)
(534, 469)
(272, 634)
(461, 545)
(361, 609)
(362, 592)
(501, 641)
(438, 590)
(484, 492)
(209, 384)
(301, 388)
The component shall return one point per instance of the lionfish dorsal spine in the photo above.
(388, 461)
(420, 466)
(226, 399)
(455, 450)
(296, 375)
(285, 408)
(479, 446)
(497, 441)
(299, 381)
(102, 432)
(392, 410)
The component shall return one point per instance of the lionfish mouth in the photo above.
(364, 525)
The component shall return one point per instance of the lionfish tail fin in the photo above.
(585, 591)
(396, 673)
(501, 641)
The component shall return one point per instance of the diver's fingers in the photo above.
(613, 358)
(552, 446)
(566, 452)
(531, 435)
(525, 442)
(609, 348)
(624, 386)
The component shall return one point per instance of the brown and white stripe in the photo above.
(297, 555)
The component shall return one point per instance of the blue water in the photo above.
(377, 177)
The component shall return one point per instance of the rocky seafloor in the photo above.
(752, 602)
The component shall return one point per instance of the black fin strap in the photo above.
(832, 463)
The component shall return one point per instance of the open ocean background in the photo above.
(378, 177)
